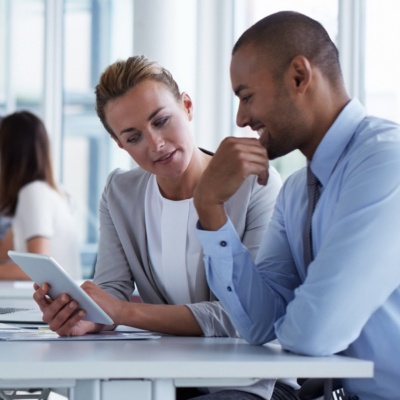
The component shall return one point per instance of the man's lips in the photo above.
(260, 129)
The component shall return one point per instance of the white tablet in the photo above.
(43, 269)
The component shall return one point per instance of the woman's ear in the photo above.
(187, 104)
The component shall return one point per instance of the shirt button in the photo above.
(223, 243)
(229, 289)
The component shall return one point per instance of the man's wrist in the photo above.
(211, 218)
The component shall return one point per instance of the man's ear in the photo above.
(300, 73)
(187, 104)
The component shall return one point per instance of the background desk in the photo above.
(16, 294)
(151, 369)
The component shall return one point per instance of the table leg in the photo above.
(164, 389)
(86, 390)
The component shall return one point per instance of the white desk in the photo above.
(151, 369)
(16, 289)
(16, 294)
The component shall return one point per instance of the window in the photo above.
(91, 40)
(51, 56)
(21, 63)
(382, 58)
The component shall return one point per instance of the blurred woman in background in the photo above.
(42, 219)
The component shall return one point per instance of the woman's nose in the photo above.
(156, 141)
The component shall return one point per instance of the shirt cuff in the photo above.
(220, 243)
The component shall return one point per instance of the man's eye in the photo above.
(245, 99)
(161, 122)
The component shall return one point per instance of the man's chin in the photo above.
(272, 154)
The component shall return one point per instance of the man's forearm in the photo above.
(212, 217)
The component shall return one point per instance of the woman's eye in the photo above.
(161, 122)
(134, 138)
(245, 99)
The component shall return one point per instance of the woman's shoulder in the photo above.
(121, 177)
(122, 184)
(39, 195)
(35, 188)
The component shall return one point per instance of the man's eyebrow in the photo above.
(149, 118)
(239, 88)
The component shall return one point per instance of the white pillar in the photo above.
(214, 118)
(53, 82)
(351, 45)
(165, 31)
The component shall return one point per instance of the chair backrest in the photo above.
(314, 388)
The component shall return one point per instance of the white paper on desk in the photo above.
(47, 335)
(10, 327)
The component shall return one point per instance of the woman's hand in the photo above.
(62, 314)
(110, 304)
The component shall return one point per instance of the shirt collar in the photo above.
(336, 139)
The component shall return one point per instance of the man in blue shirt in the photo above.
(286, 74)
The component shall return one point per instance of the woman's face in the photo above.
(154, 128)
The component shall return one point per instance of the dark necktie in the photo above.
(313, 196)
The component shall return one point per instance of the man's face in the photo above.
(266, 102)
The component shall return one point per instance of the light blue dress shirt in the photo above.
(348, 300)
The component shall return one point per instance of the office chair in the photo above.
(327, 389)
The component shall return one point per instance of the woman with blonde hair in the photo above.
(42, 220)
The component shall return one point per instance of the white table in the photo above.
(16, 294)
(16, 289)
(151, 369)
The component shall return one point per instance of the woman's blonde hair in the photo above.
(120, 77)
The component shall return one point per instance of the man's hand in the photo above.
(233, 162)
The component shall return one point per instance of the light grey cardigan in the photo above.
(123, 260)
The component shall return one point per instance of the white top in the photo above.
(172, 237)
(176, 257)
(43, 212)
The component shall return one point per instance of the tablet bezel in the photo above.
(45, 269)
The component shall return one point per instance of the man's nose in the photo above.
(242, 118)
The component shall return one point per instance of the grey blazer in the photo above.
(123, 261)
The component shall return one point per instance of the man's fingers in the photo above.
(263, 178)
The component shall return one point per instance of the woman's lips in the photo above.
(166, 157)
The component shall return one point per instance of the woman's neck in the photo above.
(182, 187)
